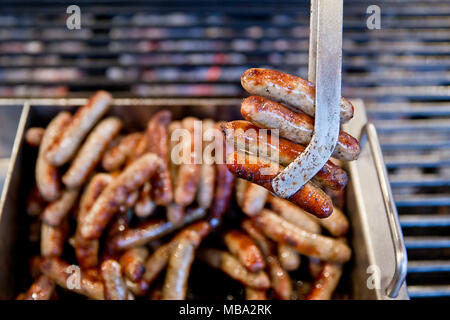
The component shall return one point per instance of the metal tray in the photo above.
(376, 239)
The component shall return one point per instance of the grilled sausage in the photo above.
(46, 174)
(114, 284)
(35, 202)
(91, 152)
(117, 155)
(133, 263)
(174, 212)
(144, 206)
(189, 171)
(155, 229)
(293, 126)
(279, 278)
(87, 250)
(180, 261)
(33, 136)
(327, 281)
(173, 143)
(241, 187)
(65, 147)
(337, 224)
(53, 238)
(315, 266)
(231, 266)
(158, 143)
(304, 242)
(60, 272)
(255, 294)
(205, 192)
(224, 182)
(41, 289)
(294, 91)
(56, 211)
(157, 262)
(294, 214)
(262, 172)
(254, 199)
(116, 194)
(244, 136)
(243, 248)
(264, 244)
(288, 257)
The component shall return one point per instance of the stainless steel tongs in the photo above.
(325, 56)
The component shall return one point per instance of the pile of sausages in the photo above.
(135, 220)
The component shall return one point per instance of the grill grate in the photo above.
(200, 48)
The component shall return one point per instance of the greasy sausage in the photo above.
(63, 275)
(254, 199)
(326, 282)
(262, 172)
(304, 242)
(56, 211)
(245, 136)
(116, 194)
(53, 238)
(180, 260)
(133, 263)
(242, 247)
(294, 91)
(231, 266)
(289, 257)
(144, 206)
(87, 250)
(189, 171)
(66, 145)
(35, 202)
(293, 126)
(115, 287)
(91, 152)
(158, 143)
(42, 289)
(154, 229)
(33, 136)
(117, 155)
(205, 192)
(47, 176)
(279, 278)
(294, 214)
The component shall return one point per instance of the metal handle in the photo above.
(325, 69)
(401, 261)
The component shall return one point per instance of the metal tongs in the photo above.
(324, 69)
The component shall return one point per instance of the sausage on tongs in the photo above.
(299, 94)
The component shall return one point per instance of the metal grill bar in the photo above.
(428, 220)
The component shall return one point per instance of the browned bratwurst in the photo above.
(34, 135)
(242, 246)
(245, 136)
(158, 143)
(315, 245)
(262, 172)
(91, 152)
(59, 271)
(66, 145)
(180, 260)
(116, 194)
(46, 174)
(42, 289)
(294, 91)
(293, 126)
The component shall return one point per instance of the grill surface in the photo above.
(200, 48)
